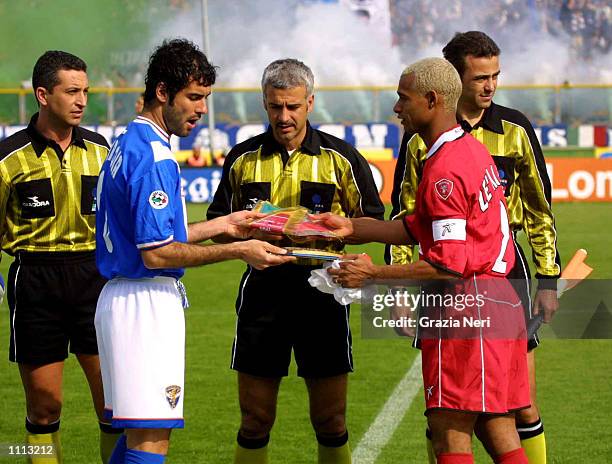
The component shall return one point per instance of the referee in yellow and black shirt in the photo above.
(278, 311)
(48, 176)
(512, 142)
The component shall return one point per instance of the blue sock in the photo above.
(119, 452)
(133, 456)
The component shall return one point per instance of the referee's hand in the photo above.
(262, 255)
(546, 302)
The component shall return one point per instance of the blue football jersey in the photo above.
(140, 204)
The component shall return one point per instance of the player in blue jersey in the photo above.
(143, 245)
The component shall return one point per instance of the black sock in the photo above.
(107, 428)
(38, 429)
(531, 430)
(333, 442)
(252, 443)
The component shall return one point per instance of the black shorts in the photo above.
(52, 302)
(520, 277)
(279, 311)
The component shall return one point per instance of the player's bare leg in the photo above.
(528, 422)
(499, 436)
(42, 384)
(257, 397)
(531, 414)
(155, 441)
(451, 435)
(90, 363)
(328, 417)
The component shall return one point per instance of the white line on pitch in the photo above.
(390, 416)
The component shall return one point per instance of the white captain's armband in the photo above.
(448, 229)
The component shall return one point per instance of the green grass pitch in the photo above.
(573, 376)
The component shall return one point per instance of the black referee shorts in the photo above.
(52, 302)
(520, 277)
(278, 311)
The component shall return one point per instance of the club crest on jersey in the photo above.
(158, 199)
(173, 394)
(444, 188)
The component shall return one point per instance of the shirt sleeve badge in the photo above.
(158, 199)
(444, 188)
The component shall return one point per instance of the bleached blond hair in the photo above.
(438, 75)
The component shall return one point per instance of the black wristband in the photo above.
(547, 283)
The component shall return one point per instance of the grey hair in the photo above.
(439, 75)
(287, 74)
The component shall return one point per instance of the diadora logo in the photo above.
(429, 391)
(251, 203)
(35, 202)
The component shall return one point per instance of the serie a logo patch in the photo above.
(158, 199)
(173, 394)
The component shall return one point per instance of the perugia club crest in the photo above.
(444, 188)
(173, 394)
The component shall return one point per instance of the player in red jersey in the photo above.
(474, 379)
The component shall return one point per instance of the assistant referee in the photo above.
(48, 177)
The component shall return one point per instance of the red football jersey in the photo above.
(460, 220)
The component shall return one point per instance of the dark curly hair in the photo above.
(475, 43)
(47, 66)
(176, 63)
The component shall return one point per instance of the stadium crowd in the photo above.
(586, 25)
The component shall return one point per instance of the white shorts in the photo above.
(140, 327)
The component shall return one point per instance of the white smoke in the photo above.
(344, 49)
(339, 47)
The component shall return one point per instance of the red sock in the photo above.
(455, 458)
(516, 456)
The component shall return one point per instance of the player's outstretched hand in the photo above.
(237, 225)
(340, 225)
(354, 270)
(546, 301)
(261, 255)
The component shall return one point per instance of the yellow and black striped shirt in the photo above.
(511, 140)
(47, 197)
(324, 174)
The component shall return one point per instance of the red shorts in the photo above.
(482, 370)
(467, 375)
